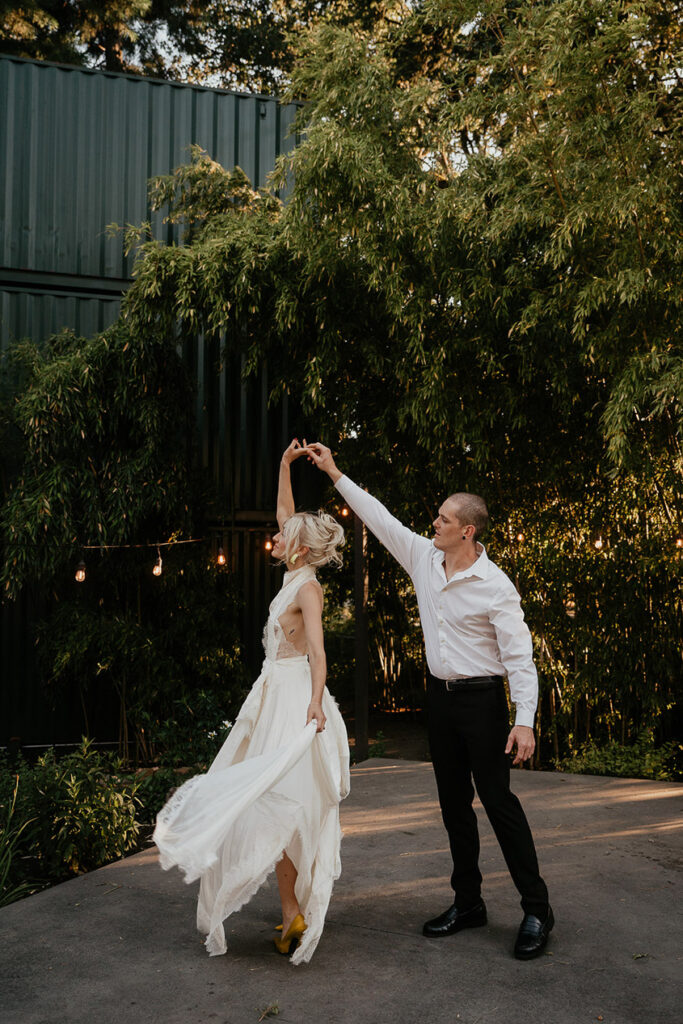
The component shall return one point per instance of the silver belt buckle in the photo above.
(451, 684)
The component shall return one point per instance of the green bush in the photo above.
(154, 788)
(152, 645)
(639, 760)
(12, 830)
(66, 816)
(378, 748)
(193, 732)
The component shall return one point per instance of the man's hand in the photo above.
(322, 457)
(522, 737)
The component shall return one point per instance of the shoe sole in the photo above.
(531, 956)
(454, 931)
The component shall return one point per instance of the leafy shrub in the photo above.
(639, 760)
(68, 816)
(153, 646)
(154, 788)
(11, 833)
(193, 732)
(378, 748)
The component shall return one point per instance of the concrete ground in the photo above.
(119, 945)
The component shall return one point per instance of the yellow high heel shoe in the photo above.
(290, 940)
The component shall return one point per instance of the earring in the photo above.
(464, 537)
(294, 557)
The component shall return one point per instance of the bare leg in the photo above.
(286, 880)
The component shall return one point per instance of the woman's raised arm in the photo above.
(285, 497)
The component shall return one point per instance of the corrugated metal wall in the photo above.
(77, 148)
(34, 314)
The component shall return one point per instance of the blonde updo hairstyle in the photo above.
(319, 532)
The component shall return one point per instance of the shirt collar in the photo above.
(478, 569)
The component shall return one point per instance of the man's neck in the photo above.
(458, 561)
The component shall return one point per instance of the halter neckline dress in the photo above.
(274, 786)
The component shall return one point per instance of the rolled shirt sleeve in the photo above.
(398, 539)
(516, 652)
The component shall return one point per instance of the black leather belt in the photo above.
(473, 683)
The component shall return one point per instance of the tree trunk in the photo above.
(553, 726)
(361, 638)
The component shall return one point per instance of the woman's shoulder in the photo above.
(310, 589)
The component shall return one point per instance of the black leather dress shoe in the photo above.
(454, 920)
(533, 935)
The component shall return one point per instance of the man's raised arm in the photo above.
(401, 542)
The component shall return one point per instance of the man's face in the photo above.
(448, 528)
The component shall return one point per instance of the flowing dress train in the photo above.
(274, 786)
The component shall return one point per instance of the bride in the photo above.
(270, 800)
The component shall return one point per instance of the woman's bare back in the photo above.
(293, 641)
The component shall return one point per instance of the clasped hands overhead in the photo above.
(316, 452)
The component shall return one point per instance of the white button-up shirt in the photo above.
(473, 623)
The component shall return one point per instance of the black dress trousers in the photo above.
(468, 730)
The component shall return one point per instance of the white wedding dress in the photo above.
(274, 786)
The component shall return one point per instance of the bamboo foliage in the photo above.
(100, 451)
(475, 283)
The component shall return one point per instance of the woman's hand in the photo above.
(293, 452)
(315, 711)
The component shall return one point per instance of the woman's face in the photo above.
(278, 549)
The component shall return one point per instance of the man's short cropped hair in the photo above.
(471, 511)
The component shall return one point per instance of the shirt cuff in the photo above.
(524, 717)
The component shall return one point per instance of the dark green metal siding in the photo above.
(26, 314)
(77, 148)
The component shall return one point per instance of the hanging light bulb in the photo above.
(344, 511)
(158, 564)
(269, 544)
(679, 542)
(80, 572)
(520, 538)
(220, 560)
(597, 543)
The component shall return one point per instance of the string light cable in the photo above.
(153, 544)
(158, 565)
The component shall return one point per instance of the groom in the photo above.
(474, 634)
